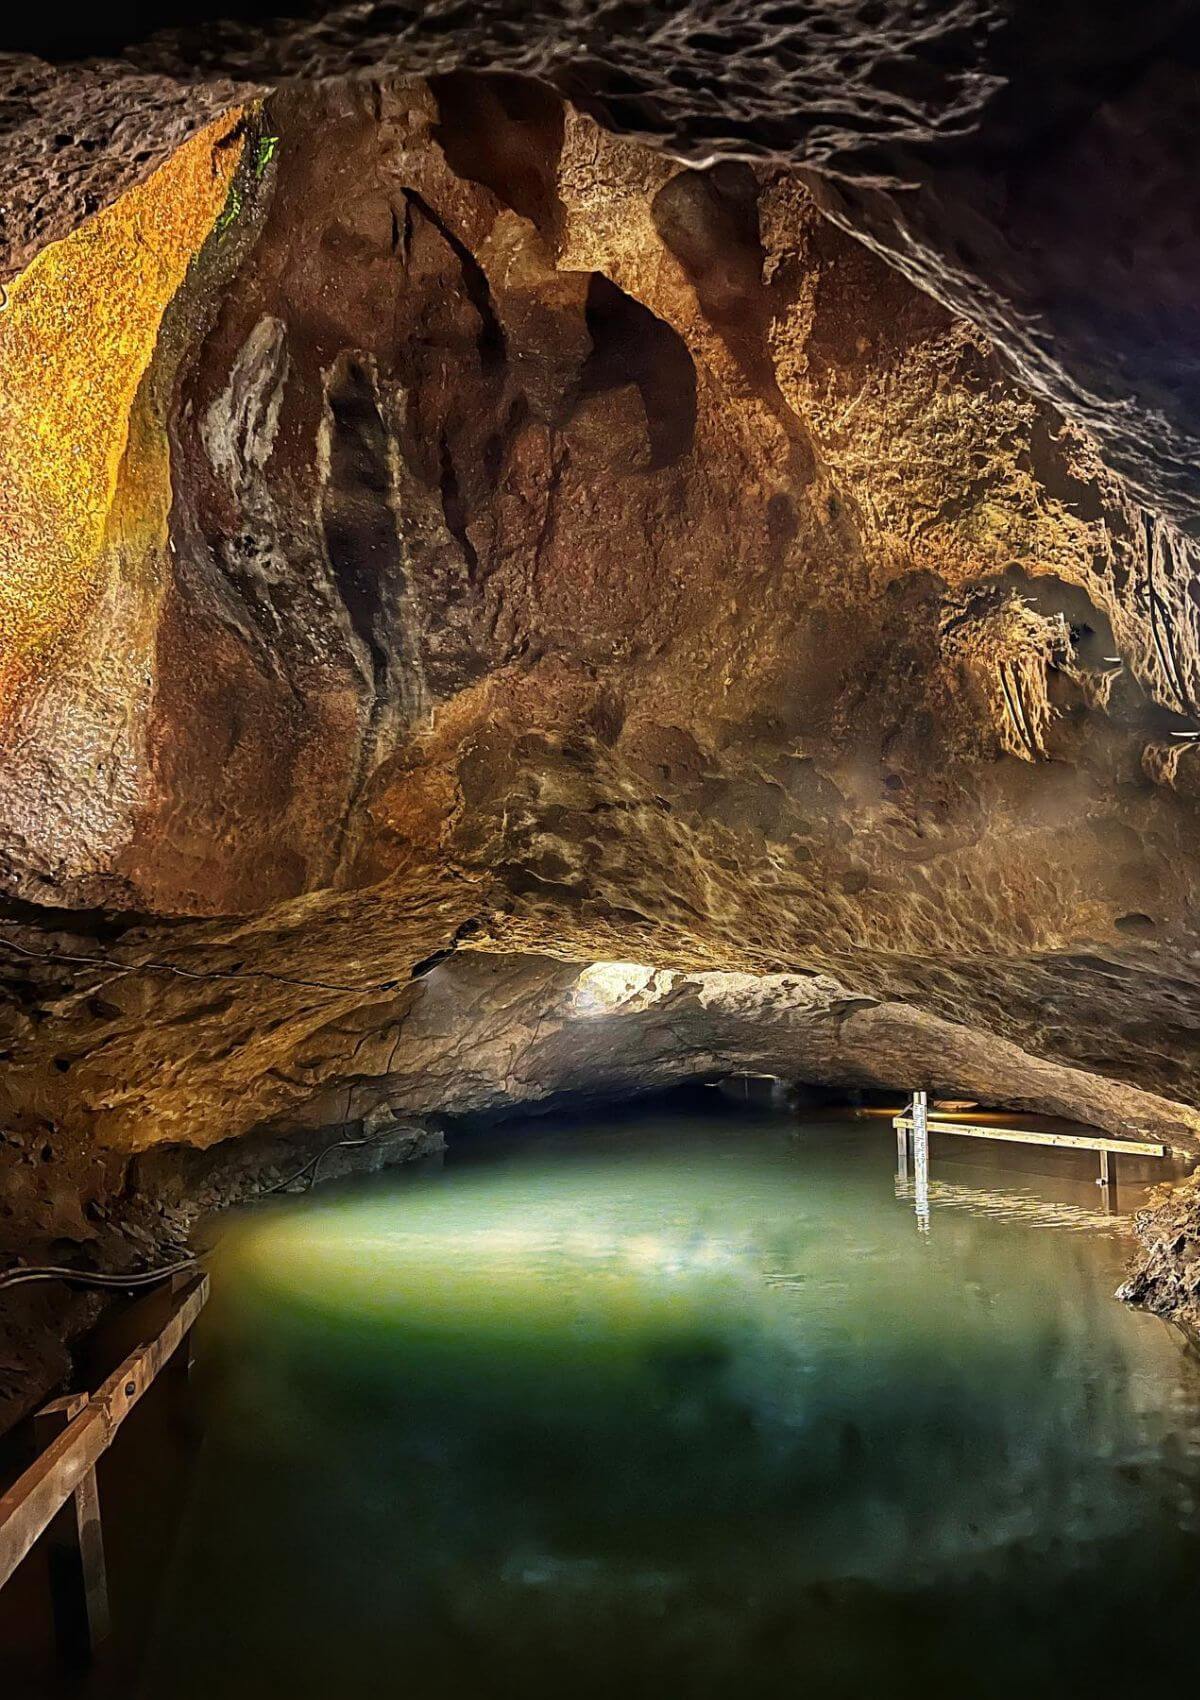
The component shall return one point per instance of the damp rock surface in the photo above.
(1167, 1277)
(520, 542)
(1030, 165)
(470, 521)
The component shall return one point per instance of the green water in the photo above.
(683, 1407)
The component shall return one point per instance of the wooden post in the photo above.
(29, 1505)
(75, 1551)
(179, 1379)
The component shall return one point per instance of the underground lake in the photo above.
(680, 1404)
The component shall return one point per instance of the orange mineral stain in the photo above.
(76, 337)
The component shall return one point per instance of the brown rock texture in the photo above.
(500, 543)
(1167, 1279)
(484, 1033)
(569, 551)
(1031, 164)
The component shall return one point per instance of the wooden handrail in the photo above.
(36, 1497)
(1037, 1136)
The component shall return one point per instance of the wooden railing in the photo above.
(57, 1496)
(1109, 1149)
(1037, 1136)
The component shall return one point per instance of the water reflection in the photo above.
(1005, 1205)
(683, 1409)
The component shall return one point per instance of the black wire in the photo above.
(313, 1164)
(150, 1277)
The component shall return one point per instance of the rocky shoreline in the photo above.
(1167, 1280)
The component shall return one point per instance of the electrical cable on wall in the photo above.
(93, 1278)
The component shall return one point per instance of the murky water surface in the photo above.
(685, 1408)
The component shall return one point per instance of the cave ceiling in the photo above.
(1030, 164)
(719, 499)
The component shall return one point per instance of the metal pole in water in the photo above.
(920, 1113)
(901, 1157)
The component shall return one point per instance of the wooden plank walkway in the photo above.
(57, 1493)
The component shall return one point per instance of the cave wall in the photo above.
(484, 1034)
(726, 505)
(557, 549)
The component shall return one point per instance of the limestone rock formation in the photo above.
(1167, 1279)
(446, 539)
(555, 549)
(484, 1034)
(1030, 164)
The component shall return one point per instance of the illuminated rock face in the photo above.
(86, 349)
(572, 552)
(522, 544)
(1030, 164)
(482, 1033)
(77, 336)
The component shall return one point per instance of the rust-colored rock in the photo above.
(525, 546)
(625, 557)
(1032, 165)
